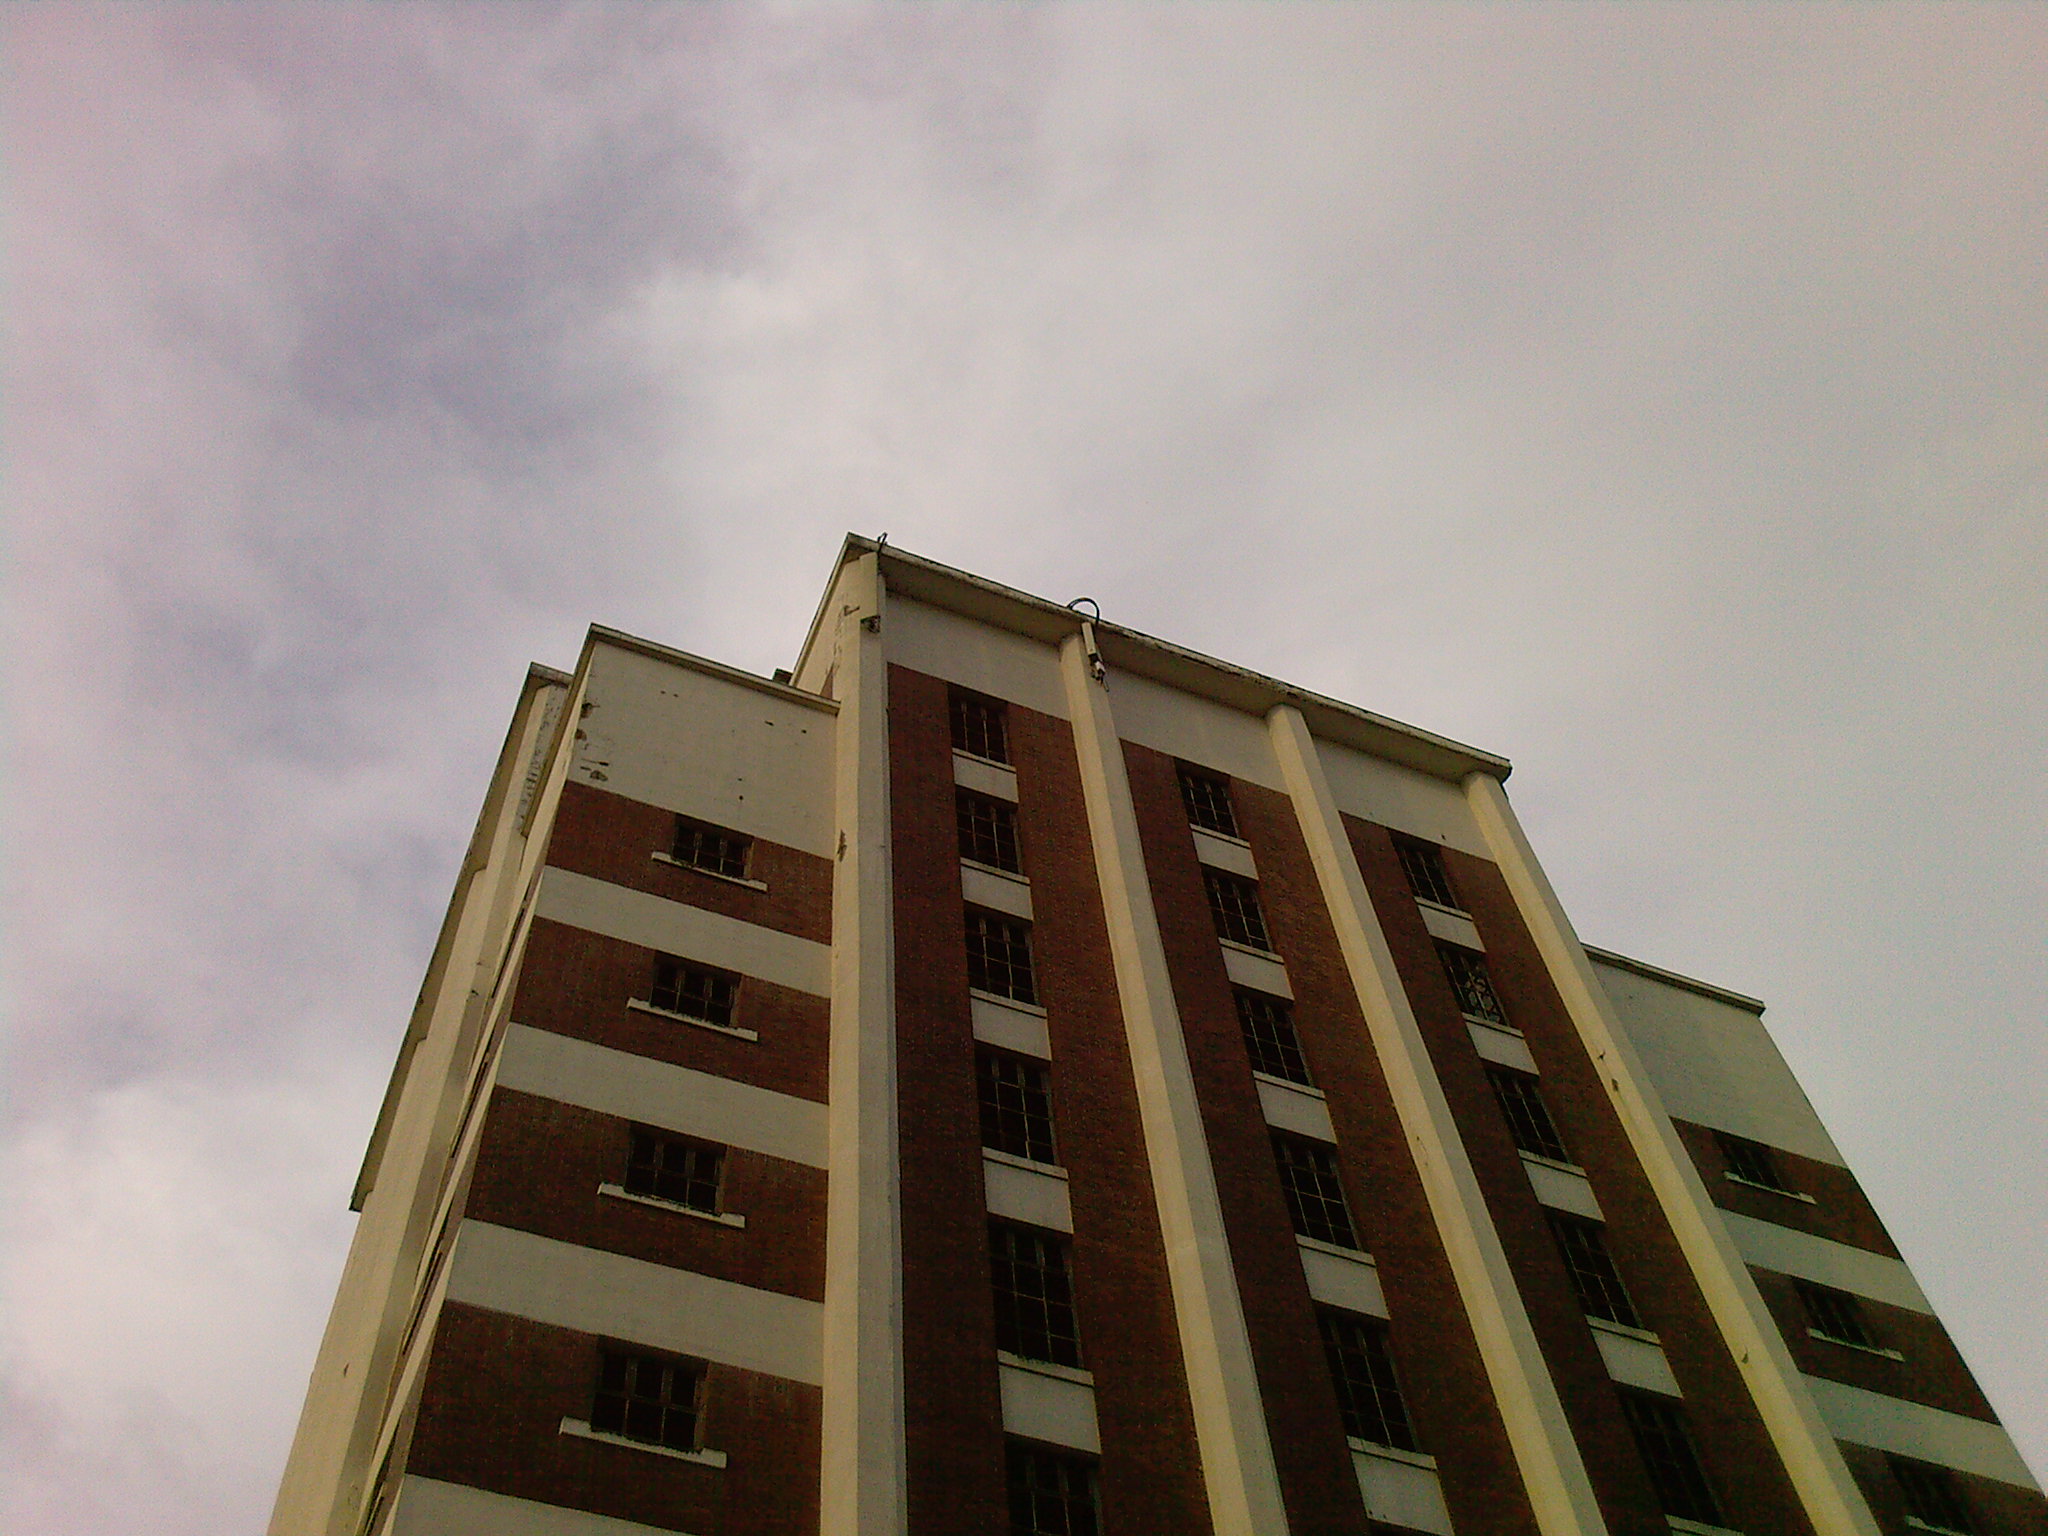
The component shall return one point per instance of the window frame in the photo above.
(1055, 1332)
(1423, 864)
(1309, 1206)
(1520, 1097)
(1595, 1277)
(1481, 1004)
(978, 924)
(1270, 1058)
(1200, 792)
(1836, 1316)
(677, 990)
(1675, 1469)
(1370, 1399)
(1249, 920)
(988, 1087)
(1752, 1163)
(1923, 1486)
(630, 1358)
(1002, 837)
(735, 850)
(1086, 1501)
(970, 716)
(664, 1142)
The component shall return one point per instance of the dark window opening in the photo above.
(1423, 863)
(980, 727)
(1583, 1244)
(711, 848)
(1034, 1295)
(1670, 1458)
(1836, 1315)
(1052, 1493)
(1528, 1117)
(999, 956)
(1016, 1105)
(1269, 1037)
(1751, 1162)
(1315, 1194)
(1234, 902)
(695, 991)
(647, 1398)
(1466, 971)
(1932, 1497)
(1368, 1392)
(1207, 799)
(687, 1172)
(988, 831)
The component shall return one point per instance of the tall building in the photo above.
(1015, 1075)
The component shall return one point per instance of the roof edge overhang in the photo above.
(1675, 979)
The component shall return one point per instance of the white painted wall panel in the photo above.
(1194, 729)
(1563, 1190)
(1784, 1251)
(1353, 1284)
(1401, 798)
(1041, 1407)
(1636, 1362)
(1401, 1493)
(675, 928)
(980, 888)
(977, 656)
(1925, 1434)
(1020, 1194)
(428, 1507)
(1011, 1029)
(1290, 1109)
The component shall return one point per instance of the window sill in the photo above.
(683, 1018)
(1012, 1160)
(702, 1457)
(1250, 949)
(710, 874)
(1391, 1452)
(1290, 1084)
(1501, 1025)
(1699, 1527)
(1335, 1250)
(1007, 1002)
(1770, 1189)
(723, 1218)
(1052, 1368)
(1862, 1349)
(1016, 876)
(1627, 1331)
(1437, 906)
(1550, 1162)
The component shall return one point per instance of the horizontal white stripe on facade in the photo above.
(429, 1507)
(677, 1099)
(1913, 1429)
(1806, 1257)
(591, 1291)
(690, 933)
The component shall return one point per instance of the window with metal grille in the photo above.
(999, 956)
(647, 1398)
(1466, 970)
(695, 991)
(1269, 1036)
(1234, 901)
(710, 848)
(1670, 1458)
(686, 1172)
(1208, 801)
(1315, 1195)
(1367, 1389)
(1423, 863)
(1933, 1498)
(988, 830)
(1016, 1105)
(1052, 1493)
(1751, 1162)
(1528, 1117)
(1034, 1294)
(1594, 1277)
(980, 727)
(1836, 1315)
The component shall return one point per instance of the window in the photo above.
(1052, 1493)
(1932, 1497)
(1208, 801)
(999, 956)
(1315, 1195)
(1016, 1105)
(1269, 1036)
(1751, 1162)
(1363, 1370)
(1466, 970)
(980, 727)
(1234, 901)
(1598, 1283)
(647, 1398)
(686, 1172)
(1836, 1315)
(1527, 1116)
(1666, 1447)
(1034, 1294)
(709, 848)
(695, 991)
(988, 830)
(1423, 863)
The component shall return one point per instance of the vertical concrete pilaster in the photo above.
(1541, 1437)
(1230, 1421)
(1813, 1460)
(863, 1473)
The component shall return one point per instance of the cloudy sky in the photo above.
(1654, 396)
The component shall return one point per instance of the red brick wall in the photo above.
(1932, 1372)
(609, 837)
(1840, 1209)
(540, 1163)
(574, 982)
(498, 1387)
(1998, 1508)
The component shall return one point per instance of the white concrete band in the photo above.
(864, 1463)
(1537, 1429)
(1814, 1461)
(1230, 1420)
